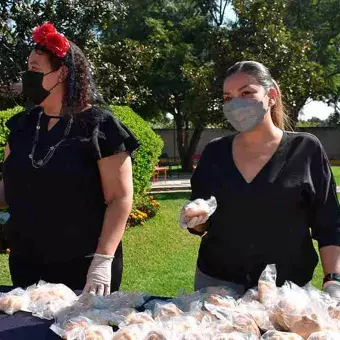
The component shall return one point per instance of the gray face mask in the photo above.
(244, 113)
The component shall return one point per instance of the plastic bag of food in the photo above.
(13, 301)
(325, 335)
(250, 296)
(303, 310)
(115, 301)
(180, 324)
(276, 335)
(197, 207)
(82, 328)
(217, 300)
(136, 318)
(267, 290)
(258, 312)
(163, 311)
(237, 322)
(47, 299)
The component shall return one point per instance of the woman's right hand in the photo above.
(197, 212)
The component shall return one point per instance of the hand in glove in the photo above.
(99, 275)
(333, 289)
(197, 212)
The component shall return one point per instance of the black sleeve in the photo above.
(201, 180)
(15, 123)
(325, 214)
(112, 137)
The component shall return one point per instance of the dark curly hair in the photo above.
(80, 88)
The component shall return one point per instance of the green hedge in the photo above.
(4, 116)
(145, 157)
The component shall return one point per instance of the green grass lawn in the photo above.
(336, 173)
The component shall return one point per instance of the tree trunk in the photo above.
(187, 161)
(294, 111)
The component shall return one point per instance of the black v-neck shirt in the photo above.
(57, 211)
(271, 219)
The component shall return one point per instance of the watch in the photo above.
(331, 277)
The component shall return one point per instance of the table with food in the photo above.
(52, 311)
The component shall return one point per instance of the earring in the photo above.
(272, 102)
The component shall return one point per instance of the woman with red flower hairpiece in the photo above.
(67, 175)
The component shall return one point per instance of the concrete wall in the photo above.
(329, 137)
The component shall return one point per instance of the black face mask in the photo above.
(32, 86)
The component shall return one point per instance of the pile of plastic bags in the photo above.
(266, 312)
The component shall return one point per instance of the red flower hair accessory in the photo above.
(46, 35)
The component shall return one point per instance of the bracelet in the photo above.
(331, 277)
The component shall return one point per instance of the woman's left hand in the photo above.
(333, 289)
(99, 275)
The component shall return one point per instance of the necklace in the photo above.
(42, 162)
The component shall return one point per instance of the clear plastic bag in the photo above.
(82, 328)
(325, 335)
(277, 335)
(258, 312)
(197, 207)
(46, 300)
(115, 301)
(303, 310)
(13, 301)
(137, 319)
(237, 322)
(164, 311)
(267, 290)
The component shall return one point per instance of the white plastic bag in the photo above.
(13, 301)
(46, 300)
(82, 328)
(198, 207)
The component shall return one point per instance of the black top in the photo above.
(269, 220)
(57, 211)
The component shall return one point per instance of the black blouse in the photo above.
(268, 220)
(57, 211)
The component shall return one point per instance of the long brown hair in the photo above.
(263, 76)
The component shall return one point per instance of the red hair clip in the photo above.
(46, 35)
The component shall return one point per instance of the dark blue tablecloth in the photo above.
(23, 326)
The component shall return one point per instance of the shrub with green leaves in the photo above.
(146, 156)
(4, 116)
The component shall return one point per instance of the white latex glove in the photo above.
(333, 289)
(197, 212)
(99, 275)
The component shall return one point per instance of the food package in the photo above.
(258, 312)
(267, 290)
(198, 207)
(46, 300)
(84, 329)
(325, 335)
(136, 318)
(13, 301)
(303, 310)
(163, 311)
(114, 302)
(237, 322)
(276, 335)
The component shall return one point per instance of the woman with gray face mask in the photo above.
(271, 187)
